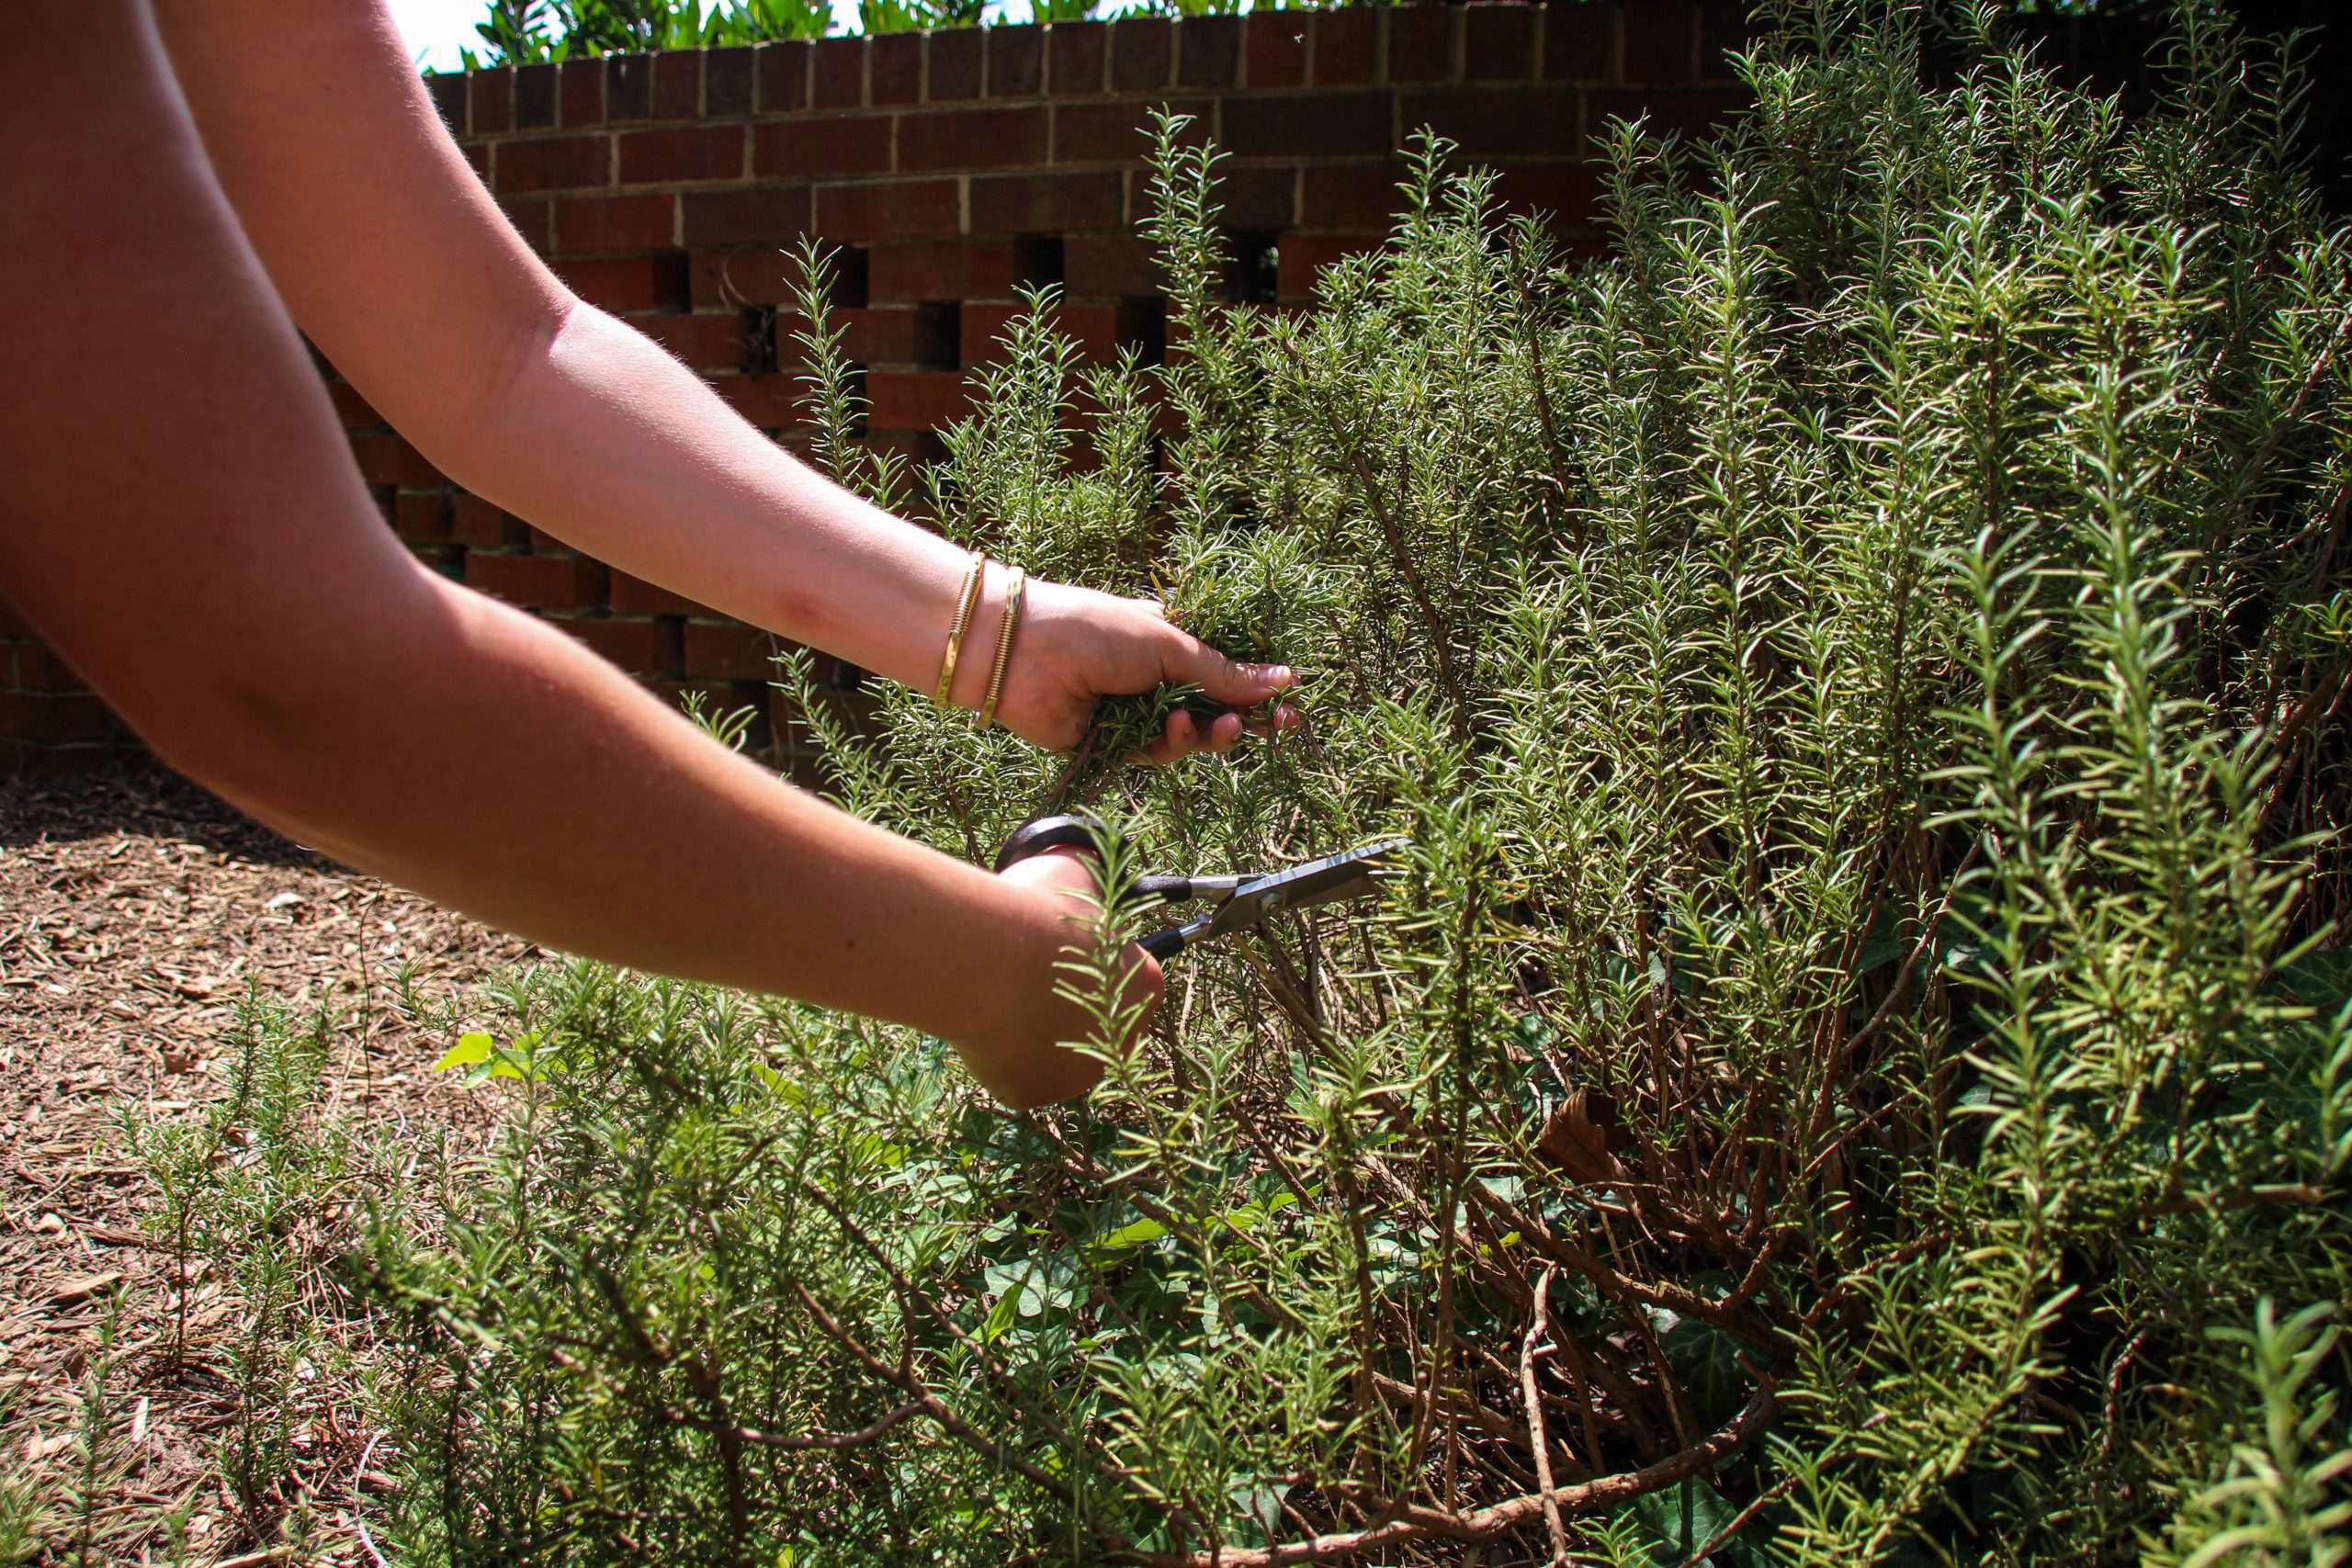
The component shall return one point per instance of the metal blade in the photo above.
(1353, 874)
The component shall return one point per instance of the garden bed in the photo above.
(138, 910)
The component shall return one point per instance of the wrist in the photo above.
(976, 657)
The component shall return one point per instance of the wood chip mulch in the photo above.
(135, 911)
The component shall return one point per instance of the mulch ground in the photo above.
(135, 911)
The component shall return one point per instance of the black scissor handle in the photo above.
(1069, 832)
(1080, 832)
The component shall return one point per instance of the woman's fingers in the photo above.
(1187, 660)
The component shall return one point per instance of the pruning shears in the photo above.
(1236, 901)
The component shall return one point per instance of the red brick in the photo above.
(1276, 51)
(1568, 195)
(772, 403)
(1694, 112)
(640, 644)
(839, 80)
(729, 651)
(535, 97)
(628, 87)
(770, 215)
(1075, 52)
(1304, 256)
(448, 90)
(352, 409)
(703, 342)
(932, 140)
(956, 67)
(677, 84)
(894, 68)
(421, 516)
(727, 77)
(682, 152)
(981, 328)
(951, 269)
(1140, 54)
(888, 209)
(1119, 131)
(69, 762)
(531, 218)
(1045, 204)
(1579, 42)
(1261, 198)
(1350, 196)
(1097, 330)
(915, 399)
(389, 460)
(539, 583)
(870, 334)
(635, 596)
(644, 222)
(1308, 125)
(477, 157)
(478, 524)
(583, 93)
(52, 716)
(1420, 43)
(42, 669)
(1346, 42)
(1016, 62)
(1208, 51)
(627, 283)
(12, 621)
(1498, 42)
(729, 279)
(490, 109)
(783, 71)
(823, 144)
(1657, 42)
(1484, 123)
(1110, 266)
(552, 163)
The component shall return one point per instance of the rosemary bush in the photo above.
(1857, 1068)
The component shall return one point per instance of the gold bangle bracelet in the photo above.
(1012, 597)
(967, 599)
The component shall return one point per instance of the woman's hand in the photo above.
(1022, 1060)
(1076, 647)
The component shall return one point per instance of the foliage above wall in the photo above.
(524, 32)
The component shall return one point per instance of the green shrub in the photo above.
(1855, 1069)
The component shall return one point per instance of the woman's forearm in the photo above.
(476, 755)
(597, 435)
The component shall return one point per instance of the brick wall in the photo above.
(954, 168)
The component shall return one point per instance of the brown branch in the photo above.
(1486, 1524)
(1537, 1439)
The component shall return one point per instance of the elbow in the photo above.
(265, 752)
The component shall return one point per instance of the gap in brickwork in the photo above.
(1145, 322)
(1256, 276)
(939, 335)
(758, 341)
(849, 277)
(1039, 261)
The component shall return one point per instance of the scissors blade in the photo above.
(1353, 874)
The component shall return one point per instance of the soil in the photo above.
(136, 911)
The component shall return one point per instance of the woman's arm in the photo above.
(180, 516)
(402, 270)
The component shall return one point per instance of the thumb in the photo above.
(1190, 661)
